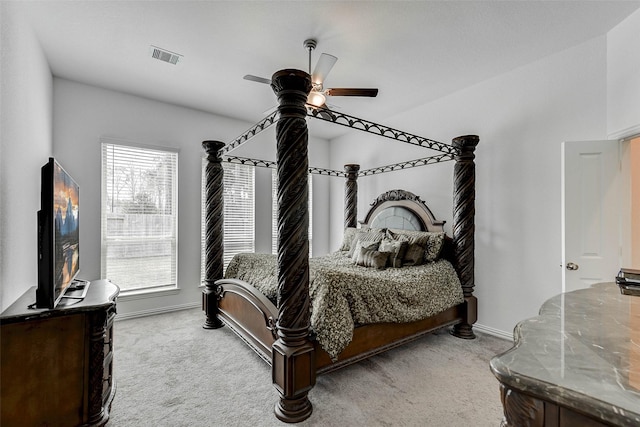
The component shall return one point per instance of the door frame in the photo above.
(624, 203)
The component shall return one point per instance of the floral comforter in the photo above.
(344, 295)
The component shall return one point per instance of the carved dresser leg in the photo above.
(521, 410)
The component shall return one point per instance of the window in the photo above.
(274, 212)
(139, 216)
(239, 211)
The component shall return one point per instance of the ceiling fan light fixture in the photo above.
(317, 99)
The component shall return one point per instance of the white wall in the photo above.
(522, 117)
(83, 114)
(25, 145)
(623, 77)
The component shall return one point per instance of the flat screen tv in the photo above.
(58, 235)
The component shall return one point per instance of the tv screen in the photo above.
(58, 234)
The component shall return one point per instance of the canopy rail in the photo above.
(274, 165)
(250, 162)
(347, 121)
(441, 158)
(327, 172)
(407, 165)
(251, 132)
(378, 129)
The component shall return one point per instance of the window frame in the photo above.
(168, 234)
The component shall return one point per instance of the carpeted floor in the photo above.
(169, 371)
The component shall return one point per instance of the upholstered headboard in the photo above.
(401, 209)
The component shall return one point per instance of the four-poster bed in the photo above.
(279, 329)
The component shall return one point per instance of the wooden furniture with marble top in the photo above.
(576, 364)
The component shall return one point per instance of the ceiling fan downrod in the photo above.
(310, 44)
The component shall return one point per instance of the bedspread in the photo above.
(344, 295)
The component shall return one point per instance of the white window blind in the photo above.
(139, 216)
(239, 211)
(274, 212)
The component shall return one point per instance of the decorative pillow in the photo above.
(416, 241)
(372, 258)
(434, 248)
(431, 241)
(396, 249)
(349, 234)
(363, 245)
(414, 255)
(367, 235)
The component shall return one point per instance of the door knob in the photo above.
(572, 266)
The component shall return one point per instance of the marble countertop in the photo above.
(582, 352)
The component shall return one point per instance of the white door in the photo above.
(591, 214)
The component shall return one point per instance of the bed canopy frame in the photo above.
(293, 359)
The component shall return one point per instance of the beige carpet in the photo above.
(170, 371)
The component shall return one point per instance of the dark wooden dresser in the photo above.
(57, 365)
(577, 364)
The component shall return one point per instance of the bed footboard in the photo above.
(249, 314)
(253, 318)
(369, 340)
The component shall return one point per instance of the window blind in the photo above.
(274, 212)
(239, 211)
(139, 216)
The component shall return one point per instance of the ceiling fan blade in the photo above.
(352, 92)
(253, 78)
(324, 65)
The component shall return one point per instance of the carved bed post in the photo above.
(464, 226)
(293, 367)
(351, 196)
(214, 231)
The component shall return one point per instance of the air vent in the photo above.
(165, 55)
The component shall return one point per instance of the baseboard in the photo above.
(143, 313)
(492, 331)
(151, 312)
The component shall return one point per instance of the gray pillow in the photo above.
(363, 245)
(396, 249)
(414, 255)
(366, 235)
(431, 241)
(372, 258)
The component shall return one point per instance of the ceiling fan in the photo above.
(318, 95)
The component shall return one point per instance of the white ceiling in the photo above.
(414, 52)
